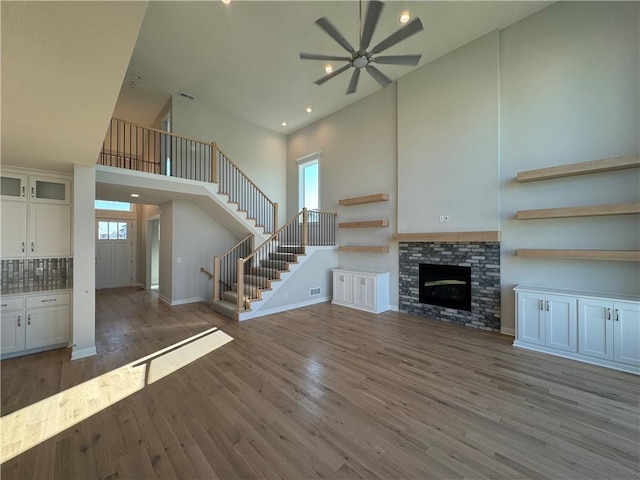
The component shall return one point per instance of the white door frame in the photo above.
(149, 251)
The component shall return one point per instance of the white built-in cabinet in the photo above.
(367, 291)
(34, 322)
(35, 215)
(603, 329)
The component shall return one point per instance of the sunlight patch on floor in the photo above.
(29, 426)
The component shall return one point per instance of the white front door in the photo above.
(114, 261)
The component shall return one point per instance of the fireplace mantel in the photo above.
(458, 237)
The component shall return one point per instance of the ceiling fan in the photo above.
(365, 57)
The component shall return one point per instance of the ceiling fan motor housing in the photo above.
(360, 60)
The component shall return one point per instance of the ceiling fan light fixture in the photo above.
(405, 17)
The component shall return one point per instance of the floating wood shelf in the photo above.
(376, 197)
(566, 212)
(364, 249)
(365, 224)
(607, 255)
(582, 168)
(459, 237)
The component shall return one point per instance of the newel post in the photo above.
(275, 217)
(214, 162)
(216, 279)
(240, 283)
(305, 226)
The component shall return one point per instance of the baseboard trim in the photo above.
(282, 308)
(394, 308)
(83, 353)
(184, 301)
(508, 331)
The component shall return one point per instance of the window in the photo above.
(309, 183)
(108, 205)
(112, 230)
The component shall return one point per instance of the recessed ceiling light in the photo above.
(135, 195)
(328, 69)
(308, 110)
(405, 17)
(226, 2)
(135, 84)
(284, 124)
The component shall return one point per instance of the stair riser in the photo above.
(298, 250)
(287, 257)
(262, 282)
(277, 264)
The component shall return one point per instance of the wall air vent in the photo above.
(186, 95)
(313, 292)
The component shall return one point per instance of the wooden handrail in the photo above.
(244, 174)
(206, 272)
(235, 246)
(271, 238)
(162, 131)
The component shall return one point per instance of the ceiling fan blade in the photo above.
(316, 56)
(353, 84)
(370, 22)
(380, 77)
(320, 81)
(409, 29)
(398, 59)
(328, 27)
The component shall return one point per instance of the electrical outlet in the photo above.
(441, 219)
(446, 219)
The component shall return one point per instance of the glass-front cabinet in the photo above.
(13, 186)
(49, 190)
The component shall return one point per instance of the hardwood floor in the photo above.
(329, 392)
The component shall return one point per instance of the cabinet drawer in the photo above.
(12, 303)
(37, 301)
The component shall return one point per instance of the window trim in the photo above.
(302, 162)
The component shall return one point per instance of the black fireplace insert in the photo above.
(445, 285)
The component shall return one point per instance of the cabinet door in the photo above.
(14, 229)
(595, 328)
(531, 318)
(562, 323)
(13, 186)
(47, 326)
(49, 190)
(364, 293)
(49, 230)
(626, 333)
(343, 287)
(12, 332)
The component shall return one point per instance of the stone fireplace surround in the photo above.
(484, 260)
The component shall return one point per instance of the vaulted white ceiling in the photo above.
(67, 67)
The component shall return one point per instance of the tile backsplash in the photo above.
(34, 275)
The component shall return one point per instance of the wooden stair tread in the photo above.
(566, 212)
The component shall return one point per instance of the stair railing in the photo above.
(224, 266)
(263, 264)
(134, 147)
(242, 190)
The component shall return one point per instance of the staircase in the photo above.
(244, 275)
(240, 280)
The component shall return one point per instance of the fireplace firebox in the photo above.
(445, 285)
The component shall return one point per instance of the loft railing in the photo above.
(144, 149)
(256, 270)
(224, 266)
(234, 182)
(134, 147)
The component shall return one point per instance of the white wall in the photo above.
(259, 152)
(84, 254)
(165, 286)
(196, 240)
(569, 93)
(448, 142)
(358, 146)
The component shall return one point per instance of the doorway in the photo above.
(114, 253)
(153, 254)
